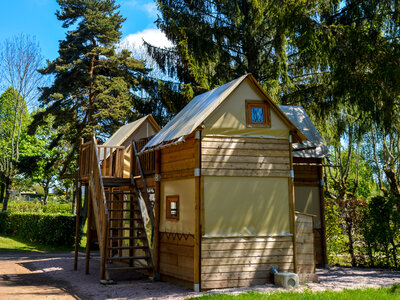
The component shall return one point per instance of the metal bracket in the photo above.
(157, 177)
(197, 135)
(290, 138)
(197, 172)
(291, 174)
(196, 287)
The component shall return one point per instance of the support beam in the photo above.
(292, 206)
(322, 214)
(77, 224)
(88, 233)
(157, 196)
(197, 217)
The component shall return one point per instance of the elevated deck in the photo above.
(118, 163)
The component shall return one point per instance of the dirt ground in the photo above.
(27, 275)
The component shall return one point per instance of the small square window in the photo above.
(172, 208)
(257, 114)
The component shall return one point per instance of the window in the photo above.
(257, 114)
(173, 208)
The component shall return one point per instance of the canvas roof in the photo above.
(197, 110)
(124, 132)
(300, 118)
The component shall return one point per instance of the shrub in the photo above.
(47, 229)
(37, 207)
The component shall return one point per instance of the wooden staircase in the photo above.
(116, 213)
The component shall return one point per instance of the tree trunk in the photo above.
(46, 191)
(2, 190)
(8, 192)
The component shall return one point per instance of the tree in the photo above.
(217, 41)
(19, 60)
(94, 85)
(40, 162)
(14, 120)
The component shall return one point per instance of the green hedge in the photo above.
(47, 229)
(37, 207)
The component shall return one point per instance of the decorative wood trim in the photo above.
(266, 113)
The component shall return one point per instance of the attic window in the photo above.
(172, 208)
(257, 114)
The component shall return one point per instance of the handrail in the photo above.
(100, 208)
(145, 195)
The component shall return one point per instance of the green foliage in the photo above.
(382, 230)
(94, 84)
(37, 207)
(56, 230)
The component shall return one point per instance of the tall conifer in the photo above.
(94, 84)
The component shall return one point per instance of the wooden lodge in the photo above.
(210, 201)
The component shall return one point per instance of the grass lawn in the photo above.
(16, 243)
(381, 293)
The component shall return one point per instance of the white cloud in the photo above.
(155, 37)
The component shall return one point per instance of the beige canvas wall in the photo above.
(185, 189)
(307, 201)
(246, 206)
(230, 117)
(145, 129)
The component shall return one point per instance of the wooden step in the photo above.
(128, 257)
(120, 193)
(117, 209)
(126, 228)
(125, 219)
(128, 268)
(127, 237)
(116, 182)
(128, 247)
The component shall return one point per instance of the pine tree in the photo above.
(94, 84)
(217, 41)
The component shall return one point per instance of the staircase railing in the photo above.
(99, 204)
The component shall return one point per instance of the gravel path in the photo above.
(53, 274)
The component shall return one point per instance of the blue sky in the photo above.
(37, 18)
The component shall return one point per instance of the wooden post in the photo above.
(88, 233)
(77, 224)
(197, 217)
(322, 214)
(157, 196)
(292, 205)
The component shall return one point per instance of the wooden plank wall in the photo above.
(310, 176)
(231, 156)
(306, 175)
(234, 262)
(305, 247)
(178, 161)
(176, 256)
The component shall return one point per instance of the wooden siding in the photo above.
(245, 157)
(234, 262)
(305, 247)
(178, 161)
(306, 175)
(176, 256)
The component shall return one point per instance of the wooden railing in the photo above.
(110, 160)
(98, 202)
(147, 160)
(85, 160)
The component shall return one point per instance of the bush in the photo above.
(47, 229)
(37, 207)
